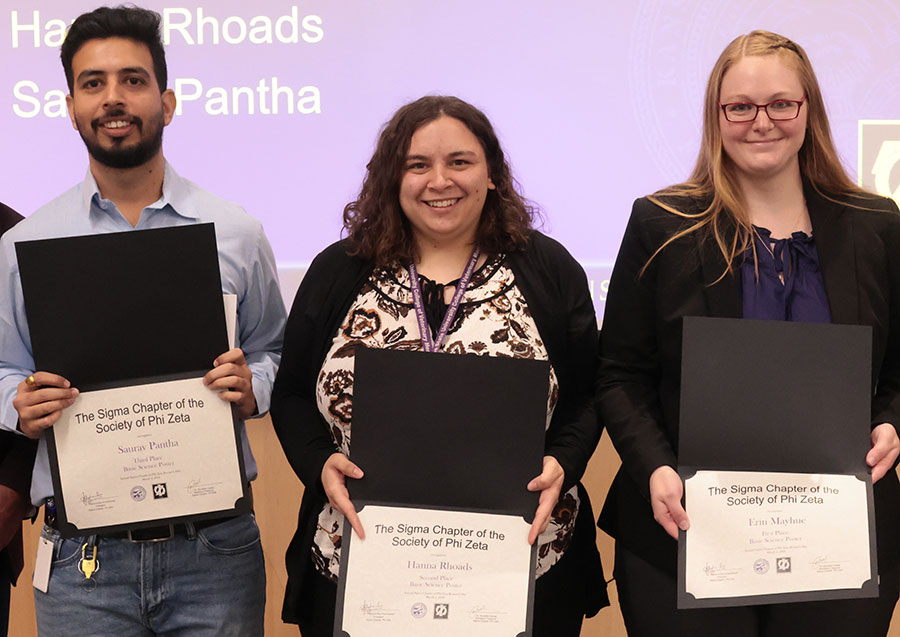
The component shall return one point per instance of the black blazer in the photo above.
(16, 454)
(639, 375)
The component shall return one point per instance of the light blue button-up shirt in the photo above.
(247, 268)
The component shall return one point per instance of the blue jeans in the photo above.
(210, 582)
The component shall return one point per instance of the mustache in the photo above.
(117, 114)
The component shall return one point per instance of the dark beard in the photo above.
(130, 157)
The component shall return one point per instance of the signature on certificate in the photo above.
(481, 614)
(709, 569)
(96, 500)
(371, 609)
(719, 571)
(827, 564)
(198, 486)
(87, 499)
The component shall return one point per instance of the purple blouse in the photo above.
(801, 297)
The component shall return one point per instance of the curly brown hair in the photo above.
(378, 230)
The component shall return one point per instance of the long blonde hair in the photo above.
(714, 180)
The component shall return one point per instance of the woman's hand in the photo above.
(666, 490)
(334, 473)
(549, 483)
(885, 448)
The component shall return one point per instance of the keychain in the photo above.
(89, 563)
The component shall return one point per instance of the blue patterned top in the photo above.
(790, 285)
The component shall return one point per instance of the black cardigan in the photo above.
(639, 376)
(555, 288)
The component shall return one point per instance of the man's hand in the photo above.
(335, 472)
(884, 451)
(40, 400)
(232, 378)
(549, 483)
(666, 490)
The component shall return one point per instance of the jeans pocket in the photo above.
(237, 535)
(65, 550)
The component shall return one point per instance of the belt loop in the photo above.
(57, 539)
(190, 530)
(135, 535)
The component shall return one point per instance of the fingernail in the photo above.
(683, 525)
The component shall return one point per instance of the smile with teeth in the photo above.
(119, 123)
(442, 203)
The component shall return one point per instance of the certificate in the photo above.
(773, 435)
(758, 533)
(146, 452)
(443, 499)
(436, 572)
(134, 324)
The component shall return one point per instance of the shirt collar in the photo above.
(175, 194)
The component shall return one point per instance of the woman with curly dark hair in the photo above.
(438, 202)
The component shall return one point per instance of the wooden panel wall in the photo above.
(277, 498)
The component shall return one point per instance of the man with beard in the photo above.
(205, 578)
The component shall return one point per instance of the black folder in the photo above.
(123, 309)
(108, 308)
(775, 396)
(453, 432)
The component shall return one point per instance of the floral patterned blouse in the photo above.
(493, 320)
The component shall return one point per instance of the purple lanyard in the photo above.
(416, 288)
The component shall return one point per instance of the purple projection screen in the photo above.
(595, 103)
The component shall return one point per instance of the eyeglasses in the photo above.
(777, 111)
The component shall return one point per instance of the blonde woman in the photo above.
(768, 226)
